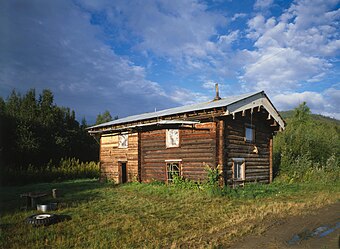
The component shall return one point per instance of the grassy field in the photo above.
(155, 215)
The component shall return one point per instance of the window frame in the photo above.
(172, 162)
(168, 143)
(239, 163)
(120, 145)
(252, 128)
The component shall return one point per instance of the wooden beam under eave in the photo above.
(274, 124)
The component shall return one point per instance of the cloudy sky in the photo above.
(131, 57)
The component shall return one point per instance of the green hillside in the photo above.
(317, 117)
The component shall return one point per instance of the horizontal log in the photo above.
(252, 160)
(256, 164)
(262, 177)
(257, 167)
(257, 171)
(182, 148)
(179, 155)
(205, 160)
(245, 155)
(184, 163)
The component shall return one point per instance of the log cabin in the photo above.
(234, 134)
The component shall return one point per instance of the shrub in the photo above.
(67, 168)
(184, 183)
(307, 150)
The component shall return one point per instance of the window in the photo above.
(249, 133)
(172, 138)
(123, 141)
(172, 169)
(239, 169)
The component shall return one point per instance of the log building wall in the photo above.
(257, 165)
(196, 150)
(111, 156)
(211, 143)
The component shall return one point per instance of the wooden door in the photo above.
(123, 172)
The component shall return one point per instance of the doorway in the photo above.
(123, 172)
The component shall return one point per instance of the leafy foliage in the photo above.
(35, 131)
(105, 117)
(308, 149)
(184, 183)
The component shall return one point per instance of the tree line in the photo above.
(35, 132)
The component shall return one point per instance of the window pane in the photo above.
(238, 170)
(249, 134)
(172, 170)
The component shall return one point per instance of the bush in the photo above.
(303, 169)
(212, 183)
(67, 168)
(183, 183)
(307, 150)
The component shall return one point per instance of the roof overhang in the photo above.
(256, 102)
(161, 123)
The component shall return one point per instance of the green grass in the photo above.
(155, 215)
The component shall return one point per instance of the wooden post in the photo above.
(270, 160)
(139, 170)
(100, 160)
(221, 143)
(220, 146)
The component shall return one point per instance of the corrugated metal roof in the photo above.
(158, 123)
(182, 109)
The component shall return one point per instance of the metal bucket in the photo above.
(47, 207)
(43, 207)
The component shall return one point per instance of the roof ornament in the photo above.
(217, 97)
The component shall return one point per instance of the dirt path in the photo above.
(280, 234)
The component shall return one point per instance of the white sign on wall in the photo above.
(123, 141)
(172, 138)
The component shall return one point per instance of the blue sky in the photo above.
(131, 57)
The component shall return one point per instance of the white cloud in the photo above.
(67, 51)
(225, 41)
(292, 50)
(280, 69)
(258, 25)
(181, 32)
(325, 103)
(210, 85)
(263, 4)
(188, 97)
(61, 50)
(238, 15)
(167, 28)
(288, 101)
